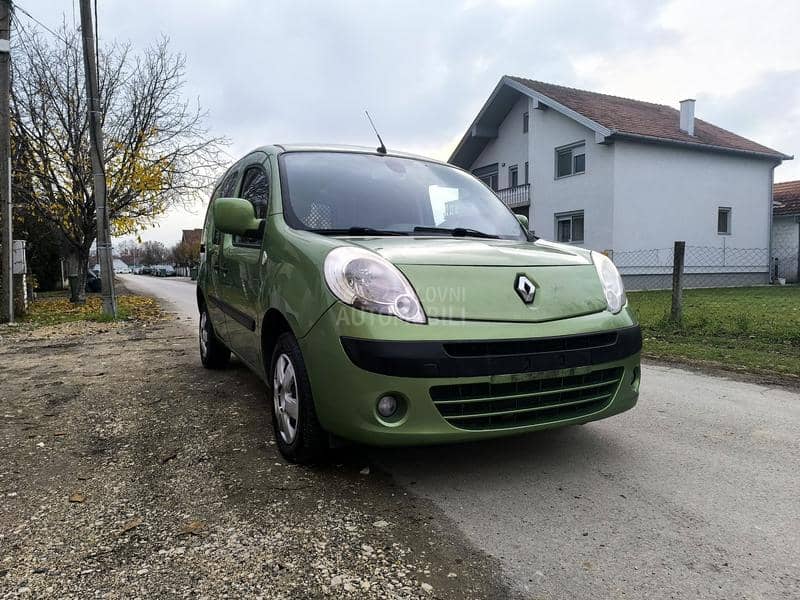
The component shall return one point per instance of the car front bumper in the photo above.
(467, 380)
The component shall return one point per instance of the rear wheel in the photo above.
(213, 353)
(299, 435)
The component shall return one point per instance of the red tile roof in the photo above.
(786, 198)
(637, 118)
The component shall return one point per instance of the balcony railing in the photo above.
(513, 197)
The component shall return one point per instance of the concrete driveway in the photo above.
(693, 494)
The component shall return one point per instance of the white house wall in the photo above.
(510, 147)
(663, 194)
(592, 191)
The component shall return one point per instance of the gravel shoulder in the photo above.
(128, 470)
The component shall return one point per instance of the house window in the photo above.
(513, 176)
(569, 227)
(570, 160)
(724, 220)
(525, 122)
(488, 175)
(491, 181)
(527, 181)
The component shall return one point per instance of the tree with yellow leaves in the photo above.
(158, 152)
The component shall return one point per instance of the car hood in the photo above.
(473, 252)
(476, 279)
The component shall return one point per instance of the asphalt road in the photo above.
(693, 494)
(179, 292)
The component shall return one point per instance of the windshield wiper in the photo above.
(456, 232)
(358, 231)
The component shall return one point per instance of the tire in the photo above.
(298, 434)
(213, 353)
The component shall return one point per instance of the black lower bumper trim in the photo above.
(459, 359)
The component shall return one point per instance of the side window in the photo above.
(224, 190)
(255, 188)
(208, 230)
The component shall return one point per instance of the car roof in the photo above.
(302, 147)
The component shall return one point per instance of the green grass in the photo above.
(754, 329)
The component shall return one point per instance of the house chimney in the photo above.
(687, 116)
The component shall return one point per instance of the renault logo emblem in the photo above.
(525, 288)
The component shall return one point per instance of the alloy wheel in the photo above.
(287, 405)
(204, 333)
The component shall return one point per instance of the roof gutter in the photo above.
(698, 146)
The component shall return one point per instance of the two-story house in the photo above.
(622, 175)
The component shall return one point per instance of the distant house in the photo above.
(786, 228)
(624, 176)
(192, 237)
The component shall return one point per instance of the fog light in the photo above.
(387, 406)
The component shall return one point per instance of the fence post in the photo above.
(676, 314)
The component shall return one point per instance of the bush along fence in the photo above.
(708, 267)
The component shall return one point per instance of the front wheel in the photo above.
(299, 435)
(213, 353)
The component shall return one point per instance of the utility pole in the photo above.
(6, 211)
(98, 170)
(676, 312)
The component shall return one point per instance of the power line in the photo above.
(16, 7)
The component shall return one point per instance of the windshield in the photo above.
(368, 194)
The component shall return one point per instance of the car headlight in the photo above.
(369, 282)
(609, 276)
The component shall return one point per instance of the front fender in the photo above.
(294, 284)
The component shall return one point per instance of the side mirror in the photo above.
(523, 220)
(236, 216)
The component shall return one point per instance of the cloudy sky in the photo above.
(304, 71)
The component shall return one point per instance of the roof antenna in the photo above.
(382, 147)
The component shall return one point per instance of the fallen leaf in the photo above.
(193, 528)
(132, 524)
(77, 497)
(168, 457)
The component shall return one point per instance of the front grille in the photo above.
(486, 405)
(534, 346)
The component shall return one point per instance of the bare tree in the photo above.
(185, 254)
(128, 251)
(154, 253)
(157, 149)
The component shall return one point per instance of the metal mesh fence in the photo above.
(707, 266)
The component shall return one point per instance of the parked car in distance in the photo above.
(147, 270)
(390, 299)
(93, 282)
(164, 271)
